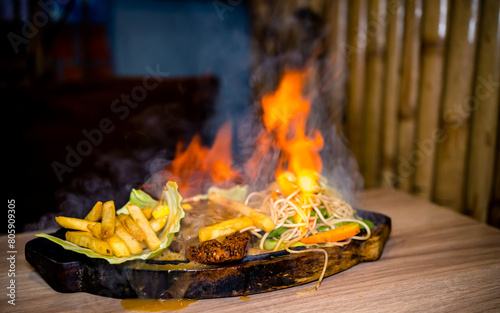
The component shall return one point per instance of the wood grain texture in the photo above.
(435, 260)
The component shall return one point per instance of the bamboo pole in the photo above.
(434, 28)
(375, 45)
(452, 151)
(395, 24)
(494, 209)
(484, 110)
(407, 158)
(334, 69)
(354, 54)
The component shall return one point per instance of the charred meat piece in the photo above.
(233, 248)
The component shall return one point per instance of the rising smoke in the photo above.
(294, 41)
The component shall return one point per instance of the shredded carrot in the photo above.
(333, 235)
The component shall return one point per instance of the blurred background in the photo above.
(98, 93)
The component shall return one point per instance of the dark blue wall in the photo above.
(185, 38)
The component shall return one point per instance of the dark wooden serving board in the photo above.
(67, 271)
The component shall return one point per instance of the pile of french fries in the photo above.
(122, 235)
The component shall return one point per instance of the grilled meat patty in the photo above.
(233, 248)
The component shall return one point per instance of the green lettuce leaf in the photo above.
(140, 198)
(170, 196)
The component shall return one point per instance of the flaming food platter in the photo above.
(290, 229)
(69, 272)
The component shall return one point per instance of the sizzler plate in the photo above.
(68, 272)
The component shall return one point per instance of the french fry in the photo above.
(118, 246)
(95, 214)
(224, 228)
(152, 240)
(95, 230)
(133, 245)
(132, 227)
(108, 220)
(86, 240)
(73, 223)
(262, 221)
(148, 211)
(158, 223)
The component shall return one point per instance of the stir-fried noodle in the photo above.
(316, 211)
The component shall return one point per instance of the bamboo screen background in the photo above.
(416, 89)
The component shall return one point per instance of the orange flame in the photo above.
(198, 165)
(285, 114)
(285, 106)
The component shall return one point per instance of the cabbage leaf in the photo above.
(170, 196)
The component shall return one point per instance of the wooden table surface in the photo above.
(434, 261)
